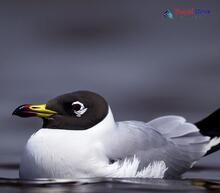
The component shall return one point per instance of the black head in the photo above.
(76, 111)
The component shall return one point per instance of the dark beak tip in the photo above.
(14, 113)
(19, 111)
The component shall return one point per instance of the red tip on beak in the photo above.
(24, 111)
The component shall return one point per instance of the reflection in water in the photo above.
(108, 185)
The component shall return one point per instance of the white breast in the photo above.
(54, 153)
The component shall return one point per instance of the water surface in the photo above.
(108, 185)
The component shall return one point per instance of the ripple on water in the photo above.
(107, 185)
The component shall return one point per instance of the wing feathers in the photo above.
(168, 138)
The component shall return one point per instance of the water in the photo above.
(108, 185)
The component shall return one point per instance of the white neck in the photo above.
(107, 123)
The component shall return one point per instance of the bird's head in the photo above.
(75, 111)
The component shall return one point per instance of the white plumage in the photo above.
(164, 147)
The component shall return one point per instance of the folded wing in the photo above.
(170, 139)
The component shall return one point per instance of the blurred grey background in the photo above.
(144, 64)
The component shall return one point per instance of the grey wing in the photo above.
(171, 139)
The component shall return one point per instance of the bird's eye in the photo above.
(78, 108)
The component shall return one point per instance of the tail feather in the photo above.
(210, 126)
(188, 144)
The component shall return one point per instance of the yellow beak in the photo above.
(29, 110)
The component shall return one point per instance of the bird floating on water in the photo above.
(80, 139)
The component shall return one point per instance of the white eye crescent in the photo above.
(81, 110)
